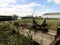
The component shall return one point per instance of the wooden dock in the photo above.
(41, 38)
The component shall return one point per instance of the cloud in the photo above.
(54, 1)
(57, 1)
(7, 1)
(33, 4)
(7, 11)
(26, 9)
(3, 4)
(23, 1)
(21, 10)
(49, 0)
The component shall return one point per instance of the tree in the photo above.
(15, 17)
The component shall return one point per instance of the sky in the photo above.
(28, 7)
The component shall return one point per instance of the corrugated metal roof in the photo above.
(55, 13)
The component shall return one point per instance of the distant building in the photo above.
(52, 15)
(6, 18)
(19, 18)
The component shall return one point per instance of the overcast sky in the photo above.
(26, 7)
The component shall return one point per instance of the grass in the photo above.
(52, 23)
(29, 20)
(7, 37)
(25, 21)
(11, 40)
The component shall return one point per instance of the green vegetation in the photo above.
(51, 23)
(25, 21)
(29, 20)
(10, 37)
